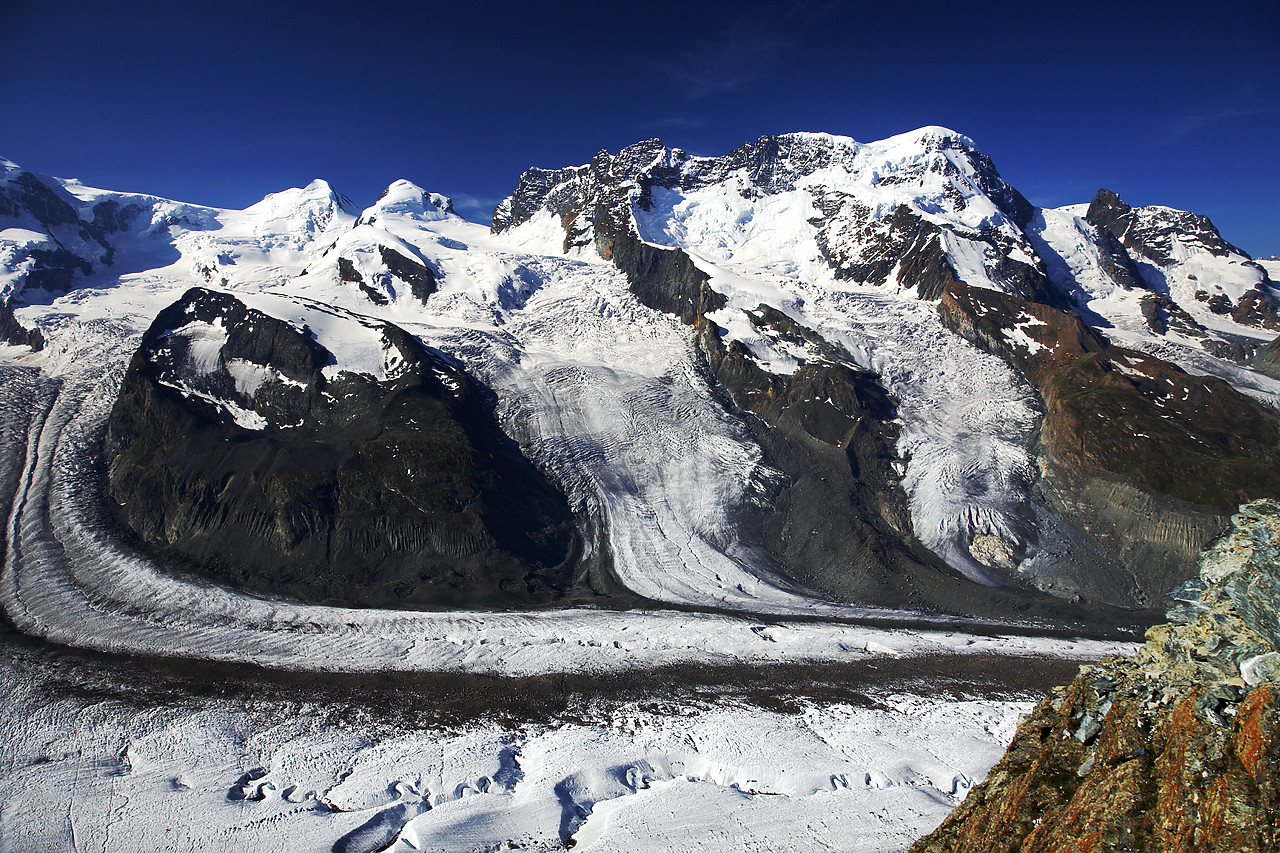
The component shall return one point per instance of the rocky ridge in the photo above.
(1174, 749)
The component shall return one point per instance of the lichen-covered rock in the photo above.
(1174, 749)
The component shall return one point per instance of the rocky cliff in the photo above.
(1174, 749)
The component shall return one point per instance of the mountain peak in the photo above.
(315, 196)
(937, 133)
(408, 199)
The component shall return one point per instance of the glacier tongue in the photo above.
(968, 421)
(607, 394)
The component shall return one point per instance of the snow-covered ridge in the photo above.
(937, 173)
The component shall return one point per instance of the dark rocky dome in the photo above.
(400, 493)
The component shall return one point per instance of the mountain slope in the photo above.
(811, 370)
(829, 235)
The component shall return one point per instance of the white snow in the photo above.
(610, 397)
(296, 777)
(967, 420)
(1065, 241)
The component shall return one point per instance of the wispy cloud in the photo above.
(748, 49)
(477, 208)
(1245, 104)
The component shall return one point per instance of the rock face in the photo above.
(1100, 398)
(1115, 454)
(927, 213)
(1152, 231)
(839, 522)
(237, 444)
(1174, 749)
(50, 241)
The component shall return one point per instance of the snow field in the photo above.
(292, 778)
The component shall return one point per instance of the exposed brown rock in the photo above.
(1176, 749)
(1113, 410)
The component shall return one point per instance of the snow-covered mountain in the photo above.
(849, 245)
(807, 374)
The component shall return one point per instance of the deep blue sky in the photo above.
(220, 103)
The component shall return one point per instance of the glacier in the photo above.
(612, 399)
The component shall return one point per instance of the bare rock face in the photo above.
(1149, 459)
(235, 450)
(1151, 231)
(1174, 749)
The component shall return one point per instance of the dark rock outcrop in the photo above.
(1267, 359)
(1176, 749)
(862, 248)
(420, 278)
(384, 278)
(328, 488)
(1255, 308)
(1203, 441)
(13, 332)
(1142, 456)
(1151, 231)
(1116, 262)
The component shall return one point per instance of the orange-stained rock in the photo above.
(1175, 750)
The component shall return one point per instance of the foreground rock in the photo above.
(1175, 749)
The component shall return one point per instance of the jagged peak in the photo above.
(833, 139)
(934, 165)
